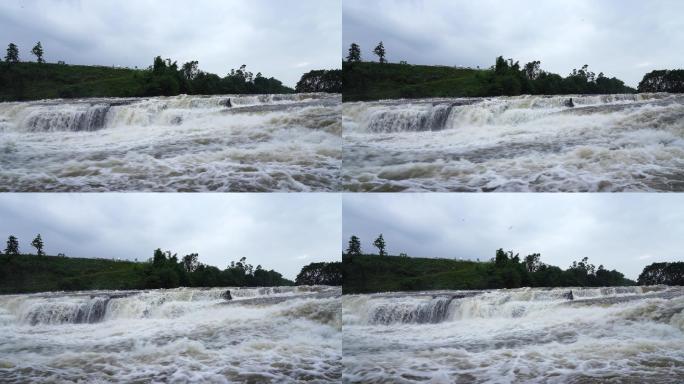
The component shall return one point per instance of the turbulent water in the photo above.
(182, 143)
(601, 335)
(526, 143)
(177, 336)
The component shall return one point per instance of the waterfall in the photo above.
(99, 306)
(421, 308)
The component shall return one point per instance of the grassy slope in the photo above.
(47, 81)
(372, 81)
(30, 273)
(372, 273)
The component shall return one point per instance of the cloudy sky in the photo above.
(622, 38)
(280, 38)
(621, 231)
(279, 231)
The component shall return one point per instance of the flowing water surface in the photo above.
(525, 143)
(182, 143)
(183, 335)
(596, 335)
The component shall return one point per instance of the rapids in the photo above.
(523, 143)
(182, 335)
(180, 143)
(528, 335)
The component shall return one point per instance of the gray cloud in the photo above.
(622, 38)
(280, 38)
(279, 231)
(621, 231)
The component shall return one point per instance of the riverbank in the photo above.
(25, 81)
(369, 81)
(32, 274)
(373, 274)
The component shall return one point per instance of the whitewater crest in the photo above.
(180, 143)
(523, 143)
(273, 334)
(536, 335)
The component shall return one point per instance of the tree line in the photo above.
(663, 81)
(323, 80)
(169, 270)
(509, 78)
(167, 78)
(662, 273)
(164, 77)
(510, 270)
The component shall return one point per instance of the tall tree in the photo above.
(159, 258)
(37, 51)
(354, 55)
(379, 243)
(380, 52)
(532, 262)
(354, 248)
(12, 53)
(190, 70)
(190, 262)
(37, 243)
(12, 246)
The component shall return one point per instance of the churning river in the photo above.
(525, 143)
(182, 143)
(179, 335)
(627, 335)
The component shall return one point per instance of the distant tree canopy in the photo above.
(321, 81)
(365, 81)
(31, 81)
(27, 273)
(372, 273)
(165, 78)
(663, 81)
(508, 78)
(662, 273)
(320, 274)
(165, 270)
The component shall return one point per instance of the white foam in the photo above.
(182, 143)
(527, 143)
(179, 335)
(523, 335)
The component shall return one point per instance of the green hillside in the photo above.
(364, 81)
(31, 81)
(367, 81)
(373, 273)
(21, 81)
(28, 273)
(32, 273)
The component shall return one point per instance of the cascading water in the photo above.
(181, 143)
(524, 143)
(275, 334)
(530, 335)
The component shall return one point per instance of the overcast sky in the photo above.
(280, 38)
(621, 231)
(622, 38)
(279, 231)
